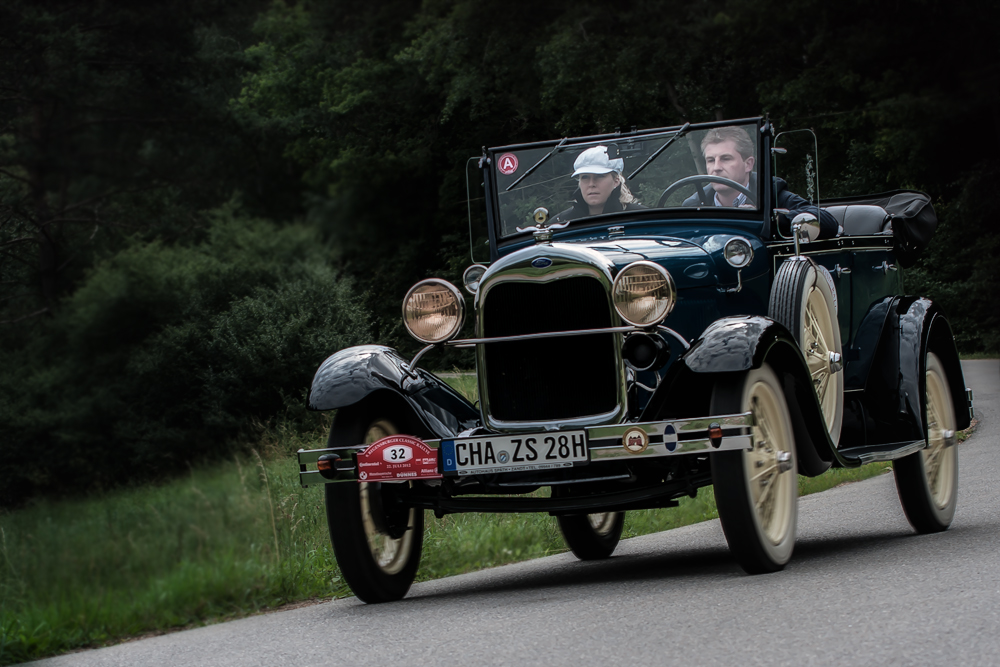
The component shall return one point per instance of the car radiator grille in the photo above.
(550, 378)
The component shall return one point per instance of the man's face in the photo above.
(596, 188)
(722, 159)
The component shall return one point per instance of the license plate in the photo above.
(514, 453)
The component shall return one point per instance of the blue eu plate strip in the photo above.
(448, 456)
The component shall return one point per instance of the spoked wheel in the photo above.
(927, 481)
(756, 491)
(592, 536)
(376, 539)
(803, 300)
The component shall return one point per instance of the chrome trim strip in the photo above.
(585, 421)
(470, 342)
(604, 443)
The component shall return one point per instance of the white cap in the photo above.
(595, 161)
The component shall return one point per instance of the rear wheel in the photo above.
(376, 538)
(927, 481)
(592, 536)
(756, 491)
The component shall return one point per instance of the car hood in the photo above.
(690, 264)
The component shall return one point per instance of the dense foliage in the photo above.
(199, 201)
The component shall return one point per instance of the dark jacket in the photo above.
(828, 226)
(580, 208)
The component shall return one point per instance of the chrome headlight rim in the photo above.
(731, 243)
(458, 299)
(471, 281)
(671, 292)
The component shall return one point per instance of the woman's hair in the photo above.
(626, 196)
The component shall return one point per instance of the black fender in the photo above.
(354, 373)
(736, 345)
(894, 387)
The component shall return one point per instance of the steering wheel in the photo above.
(699, 179)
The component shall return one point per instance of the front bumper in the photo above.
(675, 437)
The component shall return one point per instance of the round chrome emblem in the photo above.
(541, 262)
(635, 440)
(670, 438)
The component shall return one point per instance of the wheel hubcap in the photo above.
(602, 523)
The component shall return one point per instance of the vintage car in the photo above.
(634, 344)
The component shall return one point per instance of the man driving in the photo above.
(729, 153)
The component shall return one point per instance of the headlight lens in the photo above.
(738, 253)
(433, 311)
(644, 293)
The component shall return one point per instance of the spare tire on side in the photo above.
(803, 300)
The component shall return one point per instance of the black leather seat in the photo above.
(861, 219)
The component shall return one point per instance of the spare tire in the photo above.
(803, 299)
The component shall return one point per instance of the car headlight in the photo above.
(472, 276)
(738, 252)
(644, 293)
(433, 311)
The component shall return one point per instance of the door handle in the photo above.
(841, 270)
(884, 267)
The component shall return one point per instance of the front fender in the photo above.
(348, 376)
(736, 345)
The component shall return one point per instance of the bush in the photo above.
(167, 355)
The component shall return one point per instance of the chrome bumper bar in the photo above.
(675, 437)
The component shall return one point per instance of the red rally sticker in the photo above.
(397, 457)
(507, 164)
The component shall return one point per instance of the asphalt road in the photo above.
(862, 588)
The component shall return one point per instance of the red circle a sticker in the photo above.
(507, 164)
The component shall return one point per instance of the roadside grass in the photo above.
(230, 540)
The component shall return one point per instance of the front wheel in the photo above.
(756, 491)
(592, 536)
(927, 481)
(376, 538)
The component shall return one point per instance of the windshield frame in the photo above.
(494, 189)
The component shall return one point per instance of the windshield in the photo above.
(576, 179)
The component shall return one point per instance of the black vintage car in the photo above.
(654, 313)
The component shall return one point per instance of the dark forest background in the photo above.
(200, 201)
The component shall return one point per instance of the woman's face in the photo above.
(596, 188)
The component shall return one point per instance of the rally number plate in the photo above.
(513, 453)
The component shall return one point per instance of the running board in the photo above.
(888, 452)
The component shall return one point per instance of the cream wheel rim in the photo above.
(817, 342)
(938, 458)
(602, 522)
(391, 555)
(770, 490)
